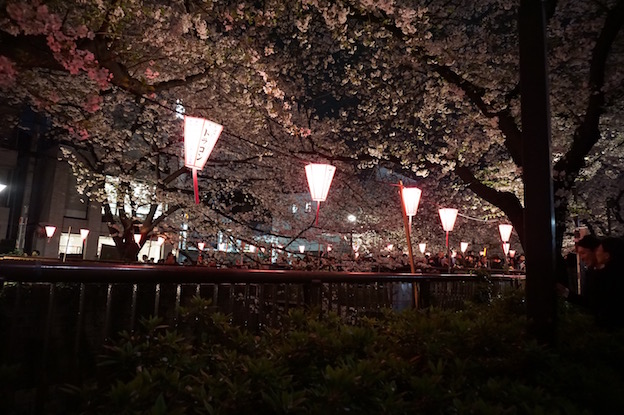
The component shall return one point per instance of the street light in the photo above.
(319, 180)
(200, 137)
(448, 217)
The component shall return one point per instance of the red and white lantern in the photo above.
(200, 137)
(411, 198)
(505, 231)
(319, 178)
(50, 231)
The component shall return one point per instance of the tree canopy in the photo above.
(427, 90)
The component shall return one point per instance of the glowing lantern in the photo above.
(319, 180)
(505, 231)
(506, 248)
(447, 217)
(411, 198)
(201, 245)
(512, 253)
(137, 238)
(301, 248)
(50, 231)
(422, 248)
(463, 246)
(84, 233)
(160, 241)
(200, 137)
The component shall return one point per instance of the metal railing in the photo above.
(56, 316)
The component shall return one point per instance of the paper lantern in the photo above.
(301, 248)
(84, 233)
(411, 198)
(319, 180)
(201, 245)
(447, 217)
(422, 248)
(506, 248)
(200, 137)
(463, 246)
(50, 231)
(505, 231)
(137, 238)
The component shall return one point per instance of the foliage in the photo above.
(475, 361)
(423, 89)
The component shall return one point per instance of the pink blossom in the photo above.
(93, 103)
(7, 71)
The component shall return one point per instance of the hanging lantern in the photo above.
(463, 246)
(200, 137)
(505, 231)
(160, 241)
(506, 248)
(422, 248)
(319, 180)
(302, 248)
(448, 216)
(512, 253)
(50, 231)
(137, 238)
(411, 198)
(84, 233)
(201, 245)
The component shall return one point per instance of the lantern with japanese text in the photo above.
(319, 180)
(200, 137)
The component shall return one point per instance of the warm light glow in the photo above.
(506, 248)
(448, 216)
(505, 231)
(463, 246)
(411, 198)
(319, 180)
(301, 248)
(137, 238)
(200, 137)
(201, 245)
(422, 248)
(50, 230)
(84, 233)
(390, 246)
(160, 241)
(512, 253)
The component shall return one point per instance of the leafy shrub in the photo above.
(479, 360)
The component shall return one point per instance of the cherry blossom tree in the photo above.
(428, 90)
